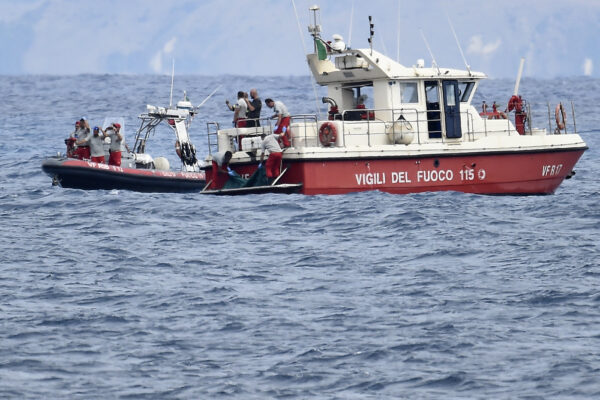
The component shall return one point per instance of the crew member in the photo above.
(96, 145)
(220, 169)
(76, 131)
(240, 109)
(82, 134)
(282, 126)
(70, 142)
(116, 143)
(270, 143)
(254, 107)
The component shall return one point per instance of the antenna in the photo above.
(398, 50)
(314, 30)
(209, 96)
(351, 20)
(172, 79)
(430, 52)
(459, 46)
(371, 33)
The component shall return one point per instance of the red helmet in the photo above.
(116, 125)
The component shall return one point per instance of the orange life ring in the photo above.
(327, 134)
(558, 113)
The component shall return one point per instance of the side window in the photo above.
(408, 92)
(450, 98)
(431, 91)
(464, 90)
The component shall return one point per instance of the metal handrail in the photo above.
(419, 118)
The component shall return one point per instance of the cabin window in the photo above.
(357, 96)
(450, 98)
(464, 90)
(408, 92)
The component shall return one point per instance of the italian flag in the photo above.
(321, 49)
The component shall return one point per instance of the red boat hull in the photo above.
(78, 174)
(497, 173)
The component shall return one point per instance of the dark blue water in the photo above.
(116, 294)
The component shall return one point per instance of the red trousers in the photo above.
(115, 158)
(218, 179)
(83, 152)
(286, 138)
(272, 165)
(99, 159)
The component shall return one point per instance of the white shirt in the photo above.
(219, 158)
(96, 144)
(241, 108)
(115, 143)
(82, 133)
(280, 108)
(270, 143)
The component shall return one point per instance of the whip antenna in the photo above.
(351, 20)
(315, 9)
(172, 78)
(459, 46)
(398, 49)
(430, 52)
(209, 96)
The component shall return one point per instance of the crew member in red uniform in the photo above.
(220, 169)
(96, 145)
(116, 143)
(282, 126)
(82, 134)
(273, 163)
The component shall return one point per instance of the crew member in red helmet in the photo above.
(116, 143)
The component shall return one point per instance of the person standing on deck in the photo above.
(282, 126)
(254, 107)
(75, 133)
(240, 109)
(220, 169)
(83, 134)
(272, 166)
(96, 145)
(116, 143)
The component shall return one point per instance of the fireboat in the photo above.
(402, 129)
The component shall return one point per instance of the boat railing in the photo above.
(303, 121)
(568, 122)
(384, 125)
(147, 126)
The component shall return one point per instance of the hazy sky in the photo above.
(261, 37)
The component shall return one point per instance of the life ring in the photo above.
(558, 113)
(327, 134)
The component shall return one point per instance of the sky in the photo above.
(263, 37)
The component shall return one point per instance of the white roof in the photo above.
(365, 64)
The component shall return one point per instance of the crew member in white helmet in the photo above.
(338, 43)
(116, 143)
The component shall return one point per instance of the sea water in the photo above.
(117, 294)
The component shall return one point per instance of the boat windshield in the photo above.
(464, 90)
